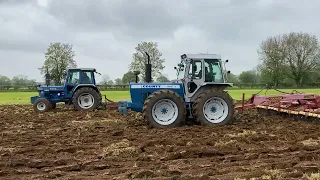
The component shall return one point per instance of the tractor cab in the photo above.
(79, 76)
(198, 70)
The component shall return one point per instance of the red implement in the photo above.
(294, 103)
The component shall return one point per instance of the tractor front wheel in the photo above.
(86, 99)
(164, 109)
(213, 107)
(42, 105)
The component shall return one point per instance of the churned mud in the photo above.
(66, 144)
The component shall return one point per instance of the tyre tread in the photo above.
(196, 109)
(92, 91)
(147, 115)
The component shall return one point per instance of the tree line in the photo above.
(16, 82)
(61, 56)
(285, 60)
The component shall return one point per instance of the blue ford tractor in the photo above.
(198, 94)
(79, 89)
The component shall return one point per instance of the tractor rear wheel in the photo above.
(42, 105)
(213, 107)
(86, 99)
(164, 109)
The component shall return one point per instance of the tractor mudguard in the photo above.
(33, 99)
(85, 85)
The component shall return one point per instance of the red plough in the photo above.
(299, 104)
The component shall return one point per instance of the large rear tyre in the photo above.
(86, 99)
(42, 105)
(164, 109)
(213, 107)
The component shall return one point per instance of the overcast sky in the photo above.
(105, 32)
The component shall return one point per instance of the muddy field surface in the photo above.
(66, 144)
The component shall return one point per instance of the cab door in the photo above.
(73, 80)
(195, 77)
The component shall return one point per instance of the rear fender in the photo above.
(86, 85)
(207, 87)
(33, 99)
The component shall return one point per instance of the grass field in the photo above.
(24, 97)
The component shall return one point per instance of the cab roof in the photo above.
(82, 69)
(201, 56)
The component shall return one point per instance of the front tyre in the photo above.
(164, 109)
(214, 107)
(42, 105)
(86, 99)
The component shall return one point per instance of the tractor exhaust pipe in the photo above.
(148, 70)
(48, 78)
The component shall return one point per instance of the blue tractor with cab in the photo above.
(198, 94)
(79, 89)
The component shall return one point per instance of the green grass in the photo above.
(237, 93)
(24, 97)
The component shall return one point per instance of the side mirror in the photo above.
(228, 72)
(227, 60)
(175, 68)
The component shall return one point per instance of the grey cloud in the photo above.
(104, 32)
(142, 18)
(16, 2)
(26, 27)
(245, 21)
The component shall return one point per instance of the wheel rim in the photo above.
(165, 112)
(85, 101)
(215, 110)
(41, 106)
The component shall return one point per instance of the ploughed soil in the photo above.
(67, 144)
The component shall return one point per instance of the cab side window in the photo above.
(218, 72)
(213, 71)
(197, 70)
(86, 78)
(74, 78)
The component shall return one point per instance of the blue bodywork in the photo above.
(56, 94)
(140, 91)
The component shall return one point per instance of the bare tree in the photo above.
(105, 79)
